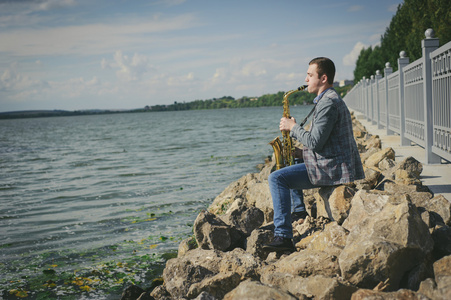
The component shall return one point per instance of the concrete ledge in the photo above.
(435, 176)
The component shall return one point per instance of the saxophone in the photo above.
(283, 150)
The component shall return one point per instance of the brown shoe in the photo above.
(280, 244)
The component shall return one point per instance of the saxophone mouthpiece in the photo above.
(302, 87)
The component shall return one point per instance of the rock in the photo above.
(412, 166)
(186, 245)
(365, 154)
(439, 206)
(442, 271)
(243, 218)
(334, 202)
(387, 239)
(266, 170)
(255, 242)
(379, 295)
(195, 266)
(377, 157)
(428, 288)
(254, 290)
(373, 142)
(393, 187)
(306, 263)
(216, 286)
(209, 271)
(442, 241)
(386, 164)
(313, 287)
(359, 132)
(370, 181)
(404, 177)
(258, 195)
(440, 288)
(205, 296)
(364, 204)
(235, 190)
(331, 240)
(211, 232)
(309, 227)
(242, 263)
(132, 292)
(160, 293)
(310, 201)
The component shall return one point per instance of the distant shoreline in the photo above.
(57, 113)
(268, 100)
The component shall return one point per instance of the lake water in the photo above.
(90, 204)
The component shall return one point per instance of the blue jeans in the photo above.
(283, 184)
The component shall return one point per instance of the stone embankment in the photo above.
(384, 237)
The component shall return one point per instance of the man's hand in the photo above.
(287, 124)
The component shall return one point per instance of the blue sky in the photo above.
(105, 54)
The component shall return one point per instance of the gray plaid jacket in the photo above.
(330, 150)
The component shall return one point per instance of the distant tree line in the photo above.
(405, 32)
(52, 113)
(230, 102)
(299, 98)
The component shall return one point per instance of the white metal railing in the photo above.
(414, 101)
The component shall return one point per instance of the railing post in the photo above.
(371, 97)
(402, 62)
(364, 97)
(387, 71)
(378, 108)
(428, 45)
(368, 99)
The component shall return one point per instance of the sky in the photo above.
(126, 54)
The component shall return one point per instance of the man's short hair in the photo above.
(325, 66)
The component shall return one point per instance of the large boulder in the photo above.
(235, 190)
(254, 290)
(388, 239)
(440, 287)
(211, 232)
(258, 195)
(210, 271)
(243, 218)
(216, 286)
(377, 157)
(306, 263)
(242, 263)
(195, 266)
(312, 287)
(331, 240)
(401, 294)
(255, 242)
(334, 202)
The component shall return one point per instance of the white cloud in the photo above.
(351, 58)
(254, 68)
(130, 69)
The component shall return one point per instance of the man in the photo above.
(330, 153)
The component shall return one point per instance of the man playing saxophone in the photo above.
(330, 152)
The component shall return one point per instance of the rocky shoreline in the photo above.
(384, 237)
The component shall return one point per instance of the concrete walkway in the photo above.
(437, 177)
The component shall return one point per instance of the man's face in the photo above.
(313, 80)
